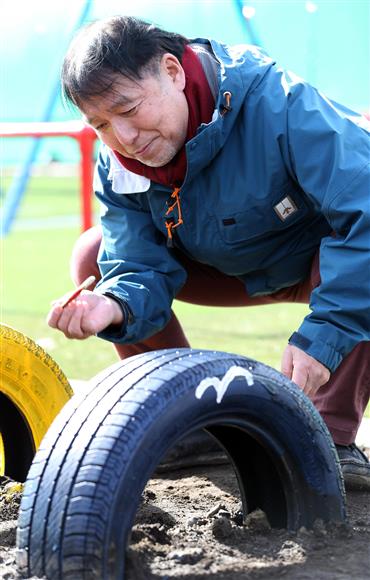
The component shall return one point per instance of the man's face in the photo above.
(144, 120)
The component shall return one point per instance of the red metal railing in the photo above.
(76, 130)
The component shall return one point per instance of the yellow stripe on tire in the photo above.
(33, 382)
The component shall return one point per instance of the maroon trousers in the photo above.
(341, 401)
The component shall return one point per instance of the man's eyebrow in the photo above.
(119, 102)
(89, 120)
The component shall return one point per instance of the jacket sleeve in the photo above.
(329, 153)
(136, 266)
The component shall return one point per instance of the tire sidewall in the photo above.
(271, 409)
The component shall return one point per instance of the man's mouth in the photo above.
(143, 150)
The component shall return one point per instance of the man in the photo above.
(224, 180)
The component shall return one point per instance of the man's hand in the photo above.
(308, 373)
(88, 314)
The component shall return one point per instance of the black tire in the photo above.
(86, 481)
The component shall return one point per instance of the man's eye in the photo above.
(130, 111)
(101, 127)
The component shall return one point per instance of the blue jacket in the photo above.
(267, 183)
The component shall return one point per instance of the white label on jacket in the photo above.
(285, 208)
(123, 180)
(220, 386)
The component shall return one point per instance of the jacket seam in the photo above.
(345, 187)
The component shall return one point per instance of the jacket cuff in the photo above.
(116, 332)
(319, 349)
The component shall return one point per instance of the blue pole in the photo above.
(254, 38)
(19, 183)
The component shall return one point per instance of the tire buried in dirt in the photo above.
(86, 481)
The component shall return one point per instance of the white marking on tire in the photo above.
(221, 386)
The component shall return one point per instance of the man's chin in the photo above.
(155, 164)
(159, 160)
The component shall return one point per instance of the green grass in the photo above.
(35, 270)
(47, 196)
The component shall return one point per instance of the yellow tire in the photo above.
(33, 389)
(2, 456)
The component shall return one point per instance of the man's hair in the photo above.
(119, 45)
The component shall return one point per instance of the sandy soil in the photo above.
(189, 527)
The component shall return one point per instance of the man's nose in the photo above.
(125, 131)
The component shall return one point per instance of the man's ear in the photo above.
(171, 66)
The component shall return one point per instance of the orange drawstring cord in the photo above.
(175, 194)
(170, 225)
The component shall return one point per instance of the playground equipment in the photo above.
(85, 137)
(20, 181)
(85, 483)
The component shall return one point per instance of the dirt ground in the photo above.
(189, 527)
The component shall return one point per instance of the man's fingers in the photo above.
(287, 364)
(300, 377)
(85, 316)
(69, 320)
(305, 371)
(318, 376)
(76, 310)
(54, 316)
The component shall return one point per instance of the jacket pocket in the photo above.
(264, 218)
